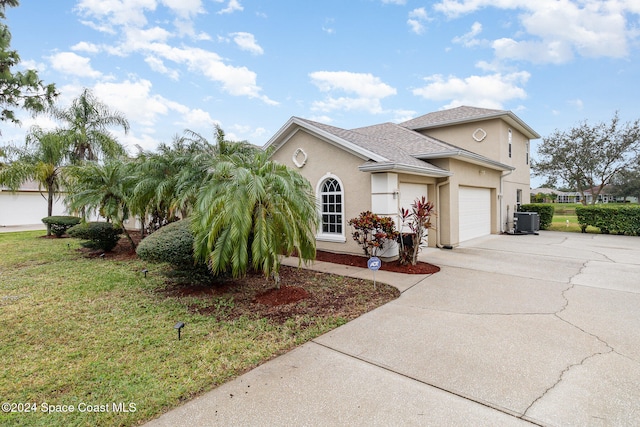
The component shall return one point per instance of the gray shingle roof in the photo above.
(466, 114)
(453, 115)
(387, 140)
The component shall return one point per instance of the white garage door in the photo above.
(474, 206)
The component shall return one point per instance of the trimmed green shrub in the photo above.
(97, 235)
(545, 212)
(60, 224)
(610, 219)
(172, 243)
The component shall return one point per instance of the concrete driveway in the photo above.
(514, 330)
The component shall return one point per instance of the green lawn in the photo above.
(565, 222)
(565, 219)
(79, 331)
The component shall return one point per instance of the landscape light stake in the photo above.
(179, 327)
(145, 271)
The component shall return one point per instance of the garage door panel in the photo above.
(474, 208)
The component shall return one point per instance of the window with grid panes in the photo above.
(331, 196)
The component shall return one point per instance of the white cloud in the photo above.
(555, 52)
(30, 64)
(400, 116)
(118, 12)
(364, 85)
(597, 29)
(233, 6)
(73, 64)
(153, 44)
(238, 81)
(135, 101)
(490, 91)
(158, 65)
(556, 30)
(246, 41)
(86, 47)
(577, 103)
(368, 91)
(328, 27)
(417, 18)
(184, 8)
(469, 39)
(321, 119)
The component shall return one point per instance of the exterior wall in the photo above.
(418, 182)
(26, 208)
(468, 175)
(495, 146)
(392, 191)
(325, 159)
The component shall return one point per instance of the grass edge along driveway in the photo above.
(91, 341)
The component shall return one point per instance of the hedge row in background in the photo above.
(60, 224)
(545, 212)
(610, 219)
(97, 235)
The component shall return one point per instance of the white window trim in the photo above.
(330, 237)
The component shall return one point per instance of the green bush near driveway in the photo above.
(544, 210)
(616, 219)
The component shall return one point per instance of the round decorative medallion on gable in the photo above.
(299, 158)
(479, 134)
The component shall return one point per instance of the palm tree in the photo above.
(196, 162)
(251, 212)
(155, 192)
(42, 160)
(105, 188)
(87, 121)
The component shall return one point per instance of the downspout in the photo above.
(501, 198)
(438, 244)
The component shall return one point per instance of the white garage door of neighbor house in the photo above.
(474, 207)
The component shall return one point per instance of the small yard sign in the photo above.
(374, 264)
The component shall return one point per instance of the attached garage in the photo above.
(474, 207)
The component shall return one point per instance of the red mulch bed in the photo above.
(361, 261)
(261, 298)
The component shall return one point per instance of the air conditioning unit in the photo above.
(526, 222)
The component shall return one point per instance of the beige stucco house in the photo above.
(472, 163)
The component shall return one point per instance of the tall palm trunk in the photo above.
(50, 195)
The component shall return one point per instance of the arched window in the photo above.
(331, 197)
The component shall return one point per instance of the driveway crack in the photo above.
(608, 348)
(562, 374)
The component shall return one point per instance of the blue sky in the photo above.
(249, 66)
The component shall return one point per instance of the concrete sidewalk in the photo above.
(15, 228)
(514, 330)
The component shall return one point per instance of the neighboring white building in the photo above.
(27, 206)
(575, 197)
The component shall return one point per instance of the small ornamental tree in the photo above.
(418, 220)
(372, 231)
